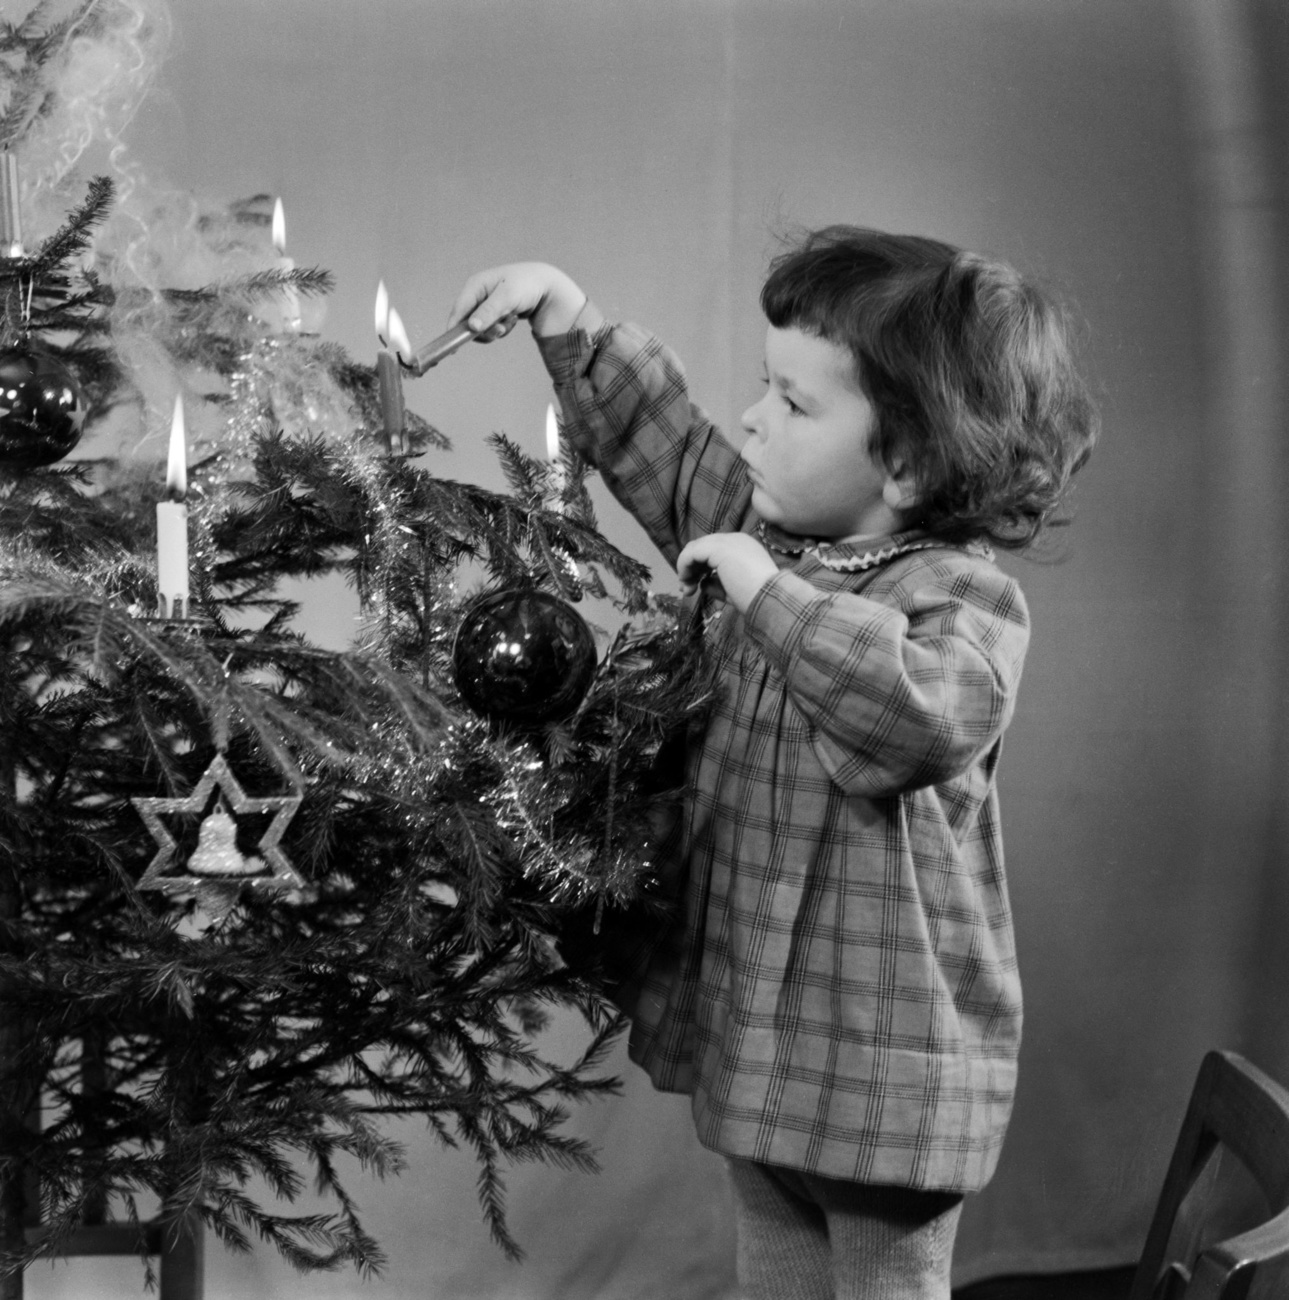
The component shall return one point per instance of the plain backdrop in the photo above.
(1127, 155)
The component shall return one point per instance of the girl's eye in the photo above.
(793, 408)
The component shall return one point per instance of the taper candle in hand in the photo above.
(172, 525)
(437, 348)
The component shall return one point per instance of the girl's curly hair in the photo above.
(969, 368)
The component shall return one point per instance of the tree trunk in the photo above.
(13, 1116)
(13, 1108)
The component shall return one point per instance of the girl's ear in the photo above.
(899, 491)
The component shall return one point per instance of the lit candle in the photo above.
(10, 210)
(558, 477)
(389, 329)
(172, 525)
(398, 336)
(287, 264)
(382, 314)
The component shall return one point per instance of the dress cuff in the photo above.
(776, 618)
(568, 356)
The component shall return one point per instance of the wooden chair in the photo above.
(180, 1255)
(179, 1272)
(1235, 1106)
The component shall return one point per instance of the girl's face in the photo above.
(808, 451)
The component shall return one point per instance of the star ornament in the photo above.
(79, 414)
(271, 872)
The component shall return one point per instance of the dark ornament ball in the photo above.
(523, 656)
(42, 408)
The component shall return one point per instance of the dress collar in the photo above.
(854, 555)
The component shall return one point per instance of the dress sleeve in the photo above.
(898, 695)
(626, 408)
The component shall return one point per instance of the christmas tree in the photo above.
(255, 894)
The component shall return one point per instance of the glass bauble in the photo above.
(42, 408)
(523, 656)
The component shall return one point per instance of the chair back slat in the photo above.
(1234, 1105)
(1249, 1114)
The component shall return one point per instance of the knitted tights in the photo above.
(802, 1237)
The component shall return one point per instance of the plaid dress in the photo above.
(837, 987)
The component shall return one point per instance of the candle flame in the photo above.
(552, 434)
(177, 463)
(382, 312)
(398, 337)
(279, 227)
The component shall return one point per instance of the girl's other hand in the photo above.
(730, 566)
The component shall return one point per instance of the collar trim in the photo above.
(900, 544)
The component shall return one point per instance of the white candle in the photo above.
(558, 478)
(172, 525)
(389, 329)
(287, 264)
(10, 209)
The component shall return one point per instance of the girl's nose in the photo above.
(752, 427)
(751, 448)
(749, 419)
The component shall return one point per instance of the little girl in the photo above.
(837, 987)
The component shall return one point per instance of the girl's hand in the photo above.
(731, 566)
(491, 301)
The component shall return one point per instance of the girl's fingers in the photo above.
(475, 290)
(693, 567)
(499, 330)
(485, 301)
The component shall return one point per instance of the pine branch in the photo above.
(269, 283)
(76, 233)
